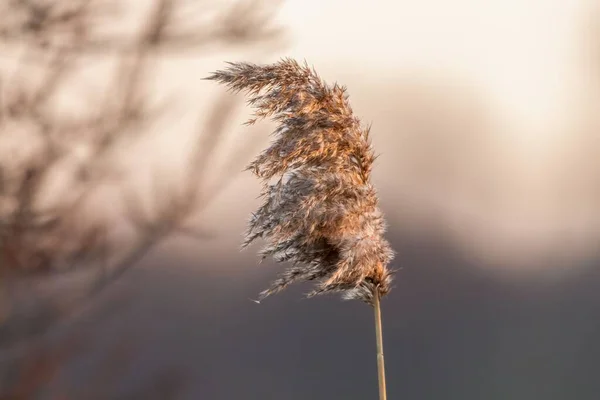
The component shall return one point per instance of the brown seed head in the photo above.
(320, 210)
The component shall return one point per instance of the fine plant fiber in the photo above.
(319, 209)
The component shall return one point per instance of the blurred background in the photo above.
(123, 200)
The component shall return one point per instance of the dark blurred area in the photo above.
(122, 204)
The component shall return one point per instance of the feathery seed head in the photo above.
(320, 211)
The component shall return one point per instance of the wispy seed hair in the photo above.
(320, 211)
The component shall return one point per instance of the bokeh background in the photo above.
(486, 118)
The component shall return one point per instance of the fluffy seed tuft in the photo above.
(320, 210)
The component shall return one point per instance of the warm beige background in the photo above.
(484, 113)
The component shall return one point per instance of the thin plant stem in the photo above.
(379, 338)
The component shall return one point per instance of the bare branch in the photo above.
(48, 233)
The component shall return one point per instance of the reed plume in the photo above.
(320, 211)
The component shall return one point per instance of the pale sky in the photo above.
(521, 53)
(526, 65)
(528, 62)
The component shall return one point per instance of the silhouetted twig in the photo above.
(42, 239)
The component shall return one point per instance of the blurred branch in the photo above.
(38, 140)
(243, 23)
